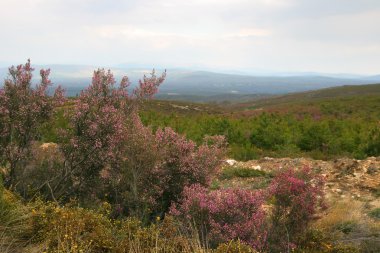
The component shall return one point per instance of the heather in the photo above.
(110, 183)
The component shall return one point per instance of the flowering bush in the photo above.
(97, 136)
(109, 152)
(182, 164)
(296, 197)
(224, 215)
(23, 110)
(158, 166)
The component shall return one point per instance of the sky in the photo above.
(326, 36)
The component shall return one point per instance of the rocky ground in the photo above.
(345, 178)
(352, 194)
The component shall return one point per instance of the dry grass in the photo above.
(347, 222)
(340, 212)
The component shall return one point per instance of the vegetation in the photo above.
(97, 174)
(324, 129)
(231, 172)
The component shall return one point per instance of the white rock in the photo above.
(231, 161)
(257, 167)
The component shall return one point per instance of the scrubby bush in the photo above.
(270, 132)
(231, 172)
(158, 167)
(23, 110)
(109, 152)
(105, 152)
(234, 247)
(296, 197)
(373, 146)
(96, 132)
(42, 173)
(375, 213)
(106, 155)
(73, 229)
(223, 215)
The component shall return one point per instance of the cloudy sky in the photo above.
(333, 36)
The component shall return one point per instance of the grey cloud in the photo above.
(280, 35)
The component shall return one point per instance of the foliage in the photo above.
(74, 229)
(231, 172)
(160, 165)
(110, 155)
(321, 130)
(373, 146)
(23, 110)
(130, 162)
(296, 197)
(224, 215)
(97, 129)
(346, 227)
(375, 213)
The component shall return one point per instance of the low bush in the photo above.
(231, 172)
(223, 215)
(74, 229)
(346, 227)
(375, 213)
(296, 196)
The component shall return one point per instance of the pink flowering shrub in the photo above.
(109, 152)
(230, 214)
(23, 110)
(296, 195)
(106, 153)
(224, 215)
(182, 163)
(97, 138)
(96, 131)
(158, 166)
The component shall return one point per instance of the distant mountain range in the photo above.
(205, 86)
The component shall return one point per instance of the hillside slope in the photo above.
(341, 92)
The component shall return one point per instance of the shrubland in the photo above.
(325, 129)
(111, 182)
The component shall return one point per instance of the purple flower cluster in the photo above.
(225, 215)
(23, 110)
(291, 202)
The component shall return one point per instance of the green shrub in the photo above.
(346, 227)
(76, 230)
(231, 172)
(375, 213)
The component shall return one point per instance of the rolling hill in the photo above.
(206, 86)
(335, 93)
